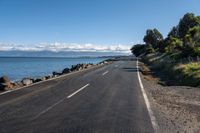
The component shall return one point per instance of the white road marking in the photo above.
(52, 106)
(152, 117)
(78, 90)
(116, 65)
(105, 73)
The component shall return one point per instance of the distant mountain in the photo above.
(15, 53)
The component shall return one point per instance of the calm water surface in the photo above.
(17, 68)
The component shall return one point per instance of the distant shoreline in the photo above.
(58, 57)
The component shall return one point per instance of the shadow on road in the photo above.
(130, 69)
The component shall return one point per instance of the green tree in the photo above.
(153, 38)
(188, 21)
(173, 44)
(138, 49)
(173, 32)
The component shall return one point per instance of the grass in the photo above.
(187, 74)
(191, 69)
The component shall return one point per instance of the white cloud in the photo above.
(57, 47)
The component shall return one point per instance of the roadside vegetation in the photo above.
(177, 55)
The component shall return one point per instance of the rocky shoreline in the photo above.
(6, 84)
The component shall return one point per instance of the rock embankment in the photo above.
(6, 84)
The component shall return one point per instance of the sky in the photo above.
(107, 25)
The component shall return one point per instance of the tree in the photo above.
(173, 32)
(188, 21)
(153, 38)
(192, 38)
(173, 44)
(138, 49)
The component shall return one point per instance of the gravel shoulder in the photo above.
(176, 108)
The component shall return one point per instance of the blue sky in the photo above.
(101, 22)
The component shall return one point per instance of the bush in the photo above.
(196, 52)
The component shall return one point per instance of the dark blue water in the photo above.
(17, 68)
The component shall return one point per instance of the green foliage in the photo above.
(188, 21)
(196, 52)
(153, 38)
(174, 32)
(149, 49)
(138, 49)
(183, 38)
(173, 44)
(192, 38)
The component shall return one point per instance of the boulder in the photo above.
(4, 79)
(40, 79)
(27, 81)
(2, 87)
(18, 84)
(48, 77)
(77, 67)
(89, 65)
(6, 84)
(105, 62)
(66, 70)
(55, 74)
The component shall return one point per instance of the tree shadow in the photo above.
(130, 69)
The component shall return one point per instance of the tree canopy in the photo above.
(183, 38)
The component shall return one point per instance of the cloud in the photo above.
(57, 47)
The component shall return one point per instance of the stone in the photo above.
(4, 79)
(56, 73)
(6, 84)
(39, 79)
(65, 71)
(27, 81)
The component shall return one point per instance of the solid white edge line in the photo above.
(151, 114)
(105, 73)
(78, 91)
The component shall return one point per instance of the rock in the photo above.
(2, 87)
(89, 65)
(56, 74)
(4, 79)
(48, 77)
(27, 81)
(74, 67)
(65, 71)
(78, 67)
(18, 84)
(39, 79)
(6, 84)
(105, 62)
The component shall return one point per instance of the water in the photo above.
(17, 68)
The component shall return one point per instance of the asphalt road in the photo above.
(100, 100)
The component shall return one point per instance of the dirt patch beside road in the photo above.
(177, 108)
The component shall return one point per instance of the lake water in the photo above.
(17, 68)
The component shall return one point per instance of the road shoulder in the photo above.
(176, 108)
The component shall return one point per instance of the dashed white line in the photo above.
(52, 106)
(46, 110)
(105, 73)
(78, 91)
(152, 117)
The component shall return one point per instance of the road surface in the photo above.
(107, 99)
